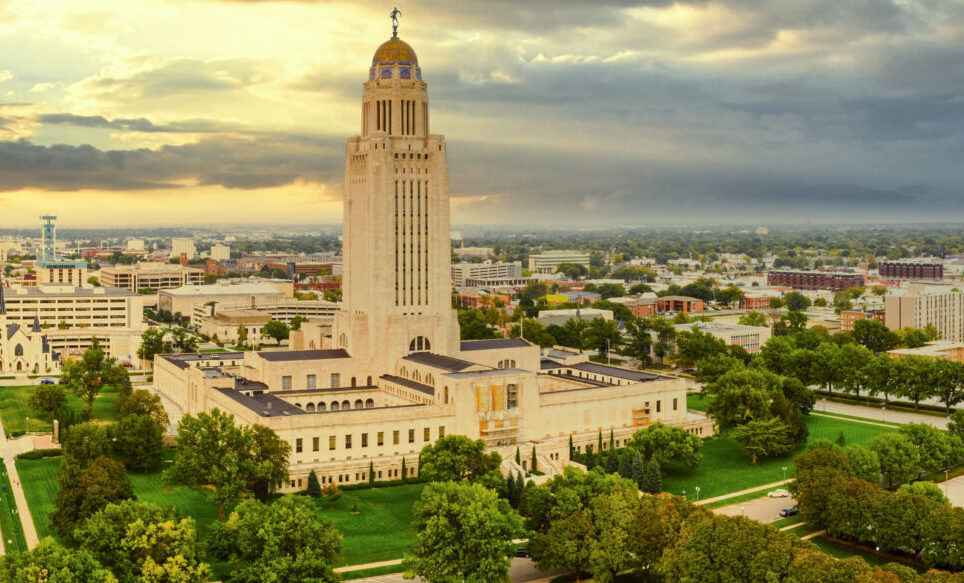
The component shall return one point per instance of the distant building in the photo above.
(226, 325)
(284, 310)
(749, 338)
(156, 276)
(679, 304)
(135, 245)
(185, 299)
(97, 307)
(183, 246)
(920, 305)
(480, 272)
(220, 252)
(755, 302)
(640, 307)
(463, 252)
(911, 270)
(548, 262)
(816, 280)
(560, 317)
(939, 349)
(848, 317)
(573, 297)
(50, 267)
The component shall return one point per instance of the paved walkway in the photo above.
(742, 492)
(9, 448)
(954, 490)
(521, 571)
(875, 413)
(867, 422)
(761, 509)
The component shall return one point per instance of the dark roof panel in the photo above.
(291, 355)
(546, 364)
(265, 405)
(410, 384)
(439, 361)
(493, 344)
(615, 371)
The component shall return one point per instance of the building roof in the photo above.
(546, 364)
(718, 327)
(292, 355)
(615, 371)
(679, 298)
(428, 390)
(69, 290)
(182, 360)
(240, 289)
(492, 344)
(265, 404)
(394, 50)
(439, 361)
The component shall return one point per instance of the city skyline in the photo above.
(615, 112)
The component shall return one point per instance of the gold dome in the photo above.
(395, 50)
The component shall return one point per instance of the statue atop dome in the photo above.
(395, 14)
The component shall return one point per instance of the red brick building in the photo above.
(814, 280)
(678, 304)
(911, 270)
(755, 303)
(848, 317)
(643, 308)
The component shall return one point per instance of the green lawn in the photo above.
(17, 415)
(382, 528)
(725, 469)
(13, 539)
(380, 531)
(842, 551)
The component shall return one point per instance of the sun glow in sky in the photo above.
(137, 112)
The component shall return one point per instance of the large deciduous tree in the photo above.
(275, 329)
(282, 542)
(899, 457)
(764, 438)
(138, 441)
(53, 563)
(463, 534)
(142, 402)
(454, 458)
(83, 491)
(95, 370)
(665, 443)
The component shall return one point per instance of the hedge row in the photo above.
(37, 454)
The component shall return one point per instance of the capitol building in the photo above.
(390, 374)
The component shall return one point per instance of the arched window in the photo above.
(321, 407)
(359, 404)
(345, 405)
(18, 351)
(416, 377)
(334, 405)
(310, 407)
(311, 345)
(370, 403)
(353, 382)
(430, 380)
(403, 373)
(419, 344)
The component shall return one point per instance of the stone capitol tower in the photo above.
(397, 250)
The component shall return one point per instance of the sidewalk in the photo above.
(742, 492)
(9, 448)
(875, 413)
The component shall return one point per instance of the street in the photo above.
(762, 509)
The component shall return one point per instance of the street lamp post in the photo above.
(882, 408)
(684, 494)
(784, 468)
(697, 493)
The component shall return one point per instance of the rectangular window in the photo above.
(381, 438)
(298, 445)
(335, 380)
(411, 436)
(364, 440)
(286, 383)
(658, 405)
(312, 382)
(441, 431)
(315, 443)
(511, 396)
(427, 434)
(348, 441)
(331, 442)
(675, 404)
(395, 435)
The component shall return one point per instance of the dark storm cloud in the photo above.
(229, 162)
(137, 125)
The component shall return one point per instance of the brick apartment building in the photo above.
(911, 270)
(848, 317)
(815, 280)
(679, 304)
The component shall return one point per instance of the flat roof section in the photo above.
(615, 371)
(265, 405)
(439, 361)
(294, 355)
(410, 384)
(493, 344)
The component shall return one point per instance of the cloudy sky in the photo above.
(128, 112)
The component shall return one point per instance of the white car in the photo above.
(781, 493)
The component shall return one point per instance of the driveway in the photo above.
(875, 414)
(954, 490)
(761, 509)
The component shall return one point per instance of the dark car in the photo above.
(522, 552)
(47, 382)
(789, 512)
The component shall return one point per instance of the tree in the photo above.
(573, 271)
(152, 343)
(611, 290)
(314, 487)
(275, 329)
(764, 438)
(140, 541)
(534, 461)
(371, 473)
(651, 480)
(46, 399)
(84, 443)
(899, 457)
(914, 377)
(454, 458)
(928, 489)
(855, 360)
(296, 322)
(938, 449)
(53, 563)
(138, 441)
(665, 443)
(956, 424)
(740, 396)
(639, 341)
(223, 461)
(269, 454)
(796, 301)
(463, 534)
(753, 318)
(282, 542)
(142, 402)
(183, 340)
(242, 334)
(863, 462)
(729, 295)
(83, 491)
(612, 516)
(601, 335)
(875, 336)
(473, 326)
(695, 345)
(87, 376)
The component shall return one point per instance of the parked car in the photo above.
(789, 512)
(47, 382)
(522, 552)
(778, 493)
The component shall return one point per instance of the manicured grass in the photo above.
(381, 530)
(13, 539)
(696, 402)
(842, 551)
(211, 350)
(725, 469)
(373, 572)
(15, 410)
(854, 418)
(787, 521)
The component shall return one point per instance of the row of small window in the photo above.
(311, 381)
(379, 439)
(336, 406)
(393, 473)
